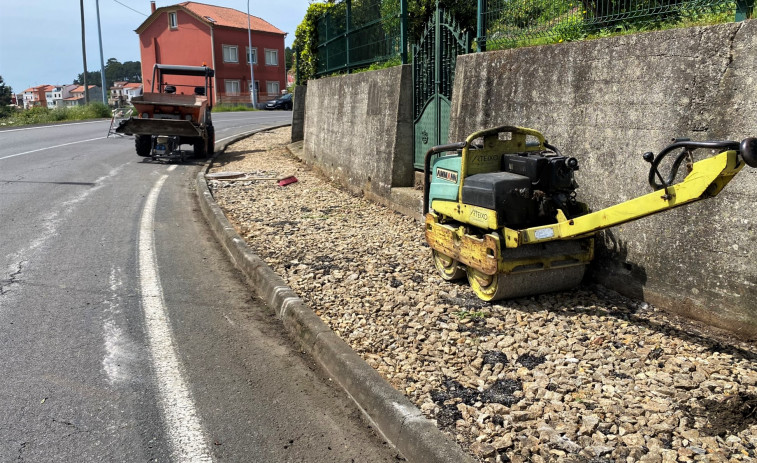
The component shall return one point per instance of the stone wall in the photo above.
(608, 101)
(298, 113)
(358, 129)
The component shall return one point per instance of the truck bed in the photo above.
(160, 104)
(135, 126)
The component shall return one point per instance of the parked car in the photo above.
(284, 102)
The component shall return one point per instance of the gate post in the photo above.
(481, 27)
(744, 9)
(403, 30)
(348, 17)
(437, 68)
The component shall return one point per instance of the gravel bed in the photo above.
(583, 375)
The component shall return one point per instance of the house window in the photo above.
(254, 55)
(230, 54)
(272, 87)
(232, 87)
(272, 57)
(172, 22)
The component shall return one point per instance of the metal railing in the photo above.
(358, 33)
(513, 23)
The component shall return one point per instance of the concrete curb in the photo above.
(398, 419)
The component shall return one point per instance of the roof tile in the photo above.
(228, 17)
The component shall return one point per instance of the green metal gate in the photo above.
(434, 58)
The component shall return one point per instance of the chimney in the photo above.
(152, 6)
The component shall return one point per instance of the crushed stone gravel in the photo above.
(580, 376)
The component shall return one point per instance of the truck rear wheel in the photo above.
(199, 148)
(143, 143)
(211, 141)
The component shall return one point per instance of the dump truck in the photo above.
(173, 114)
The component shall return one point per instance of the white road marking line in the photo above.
(222, 139)
(172, 167)
(183, 425)
(120, 351)
(51, 147)
(53, 126)
(240, 134)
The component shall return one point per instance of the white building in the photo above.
(57, 93)
(121, 93)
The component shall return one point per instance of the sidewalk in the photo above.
(583, 375)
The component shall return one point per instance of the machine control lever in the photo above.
(687, 147)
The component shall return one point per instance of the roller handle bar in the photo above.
(747, 148)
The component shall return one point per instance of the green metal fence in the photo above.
(512, 23)
(357, 33)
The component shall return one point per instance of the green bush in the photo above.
(306, 40)
(59, 114)
(223, 108)
(41, 115)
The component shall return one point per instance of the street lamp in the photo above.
(84, 54)
(249, 56)
(102, 64)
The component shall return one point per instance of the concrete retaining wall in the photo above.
(358, 129)
(298, 113)
(608, 101)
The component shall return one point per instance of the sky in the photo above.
(40, 40)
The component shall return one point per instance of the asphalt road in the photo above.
(125, 333)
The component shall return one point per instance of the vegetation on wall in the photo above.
(513, 24)
(419, 13)
(306, 40)
(538, 22)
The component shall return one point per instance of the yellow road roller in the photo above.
(500, 208)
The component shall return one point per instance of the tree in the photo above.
(288, 58)
(115, 71)
(6, 96)
(93, 78)
(421, 11)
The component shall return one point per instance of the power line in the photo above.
(132, 9)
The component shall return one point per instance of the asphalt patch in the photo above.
(476, 327)
(531, 361)
(502, 392)
(493, 357)
(448, 415)
(728, 416)
(467, 395)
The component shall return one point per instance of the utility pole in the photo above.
(249, 55)
(84, 53)
(102, 63)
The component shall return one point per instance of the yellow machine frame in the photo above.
(488, 255)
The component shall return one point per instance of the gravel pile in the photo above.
(583, 375)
